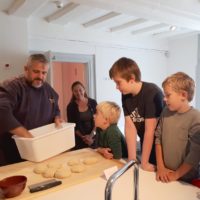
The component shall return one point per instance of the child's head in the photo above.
(178, 88)
(107, 113)
(125, 68)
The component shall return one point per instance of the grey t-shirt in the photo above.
(179, 136)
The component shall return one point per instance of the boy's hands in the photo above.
(175, 175)
(106, 152)
(172, 176)
(165, 175)
(148, 167)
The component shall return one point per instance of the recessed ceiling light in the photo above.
(172, 28)
(59, 4)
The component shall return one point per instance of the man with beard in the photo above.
(26, 102)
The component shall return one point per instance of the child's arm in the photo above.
(150, 126)
(193, 156)
(106, 152)
(130, 133)
(181, 171)
(162, 171)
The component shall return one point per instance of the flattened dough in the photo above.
(90, 160)
(62, 173)
(78, 168)
(40, 168)
(73, 162)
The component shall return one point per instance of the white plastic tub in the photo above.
(48, 141)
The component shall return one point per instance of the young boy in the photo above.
(109, 139)
(178, 132)
(142, 104)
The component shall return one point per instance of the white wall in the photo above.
(183, 56)
(13, 45)
(18, 37)
(149, 54)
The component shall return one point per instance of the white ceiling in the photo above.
(133, 17)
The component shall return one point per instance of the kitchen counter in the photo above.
(92, 185)
(149, 189)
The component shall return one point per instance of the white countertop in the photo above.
(149, 189)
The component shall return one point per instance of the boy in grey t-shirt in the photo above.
(178, 132)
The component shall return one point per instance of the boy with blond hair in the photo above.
(109, 139)
(178, 132)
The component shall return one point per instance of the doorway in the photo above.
(67, 68)
(65, 73)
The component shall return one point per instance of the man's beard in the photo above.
(35, 84)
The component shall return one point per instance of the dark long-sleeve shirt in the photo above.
(84, 120)
(23, 105)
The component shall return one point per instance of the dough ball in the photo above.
(73, 162)
(90, 160)
(54, 165)
(49, 173)
(62, 173)
(78, 168)
(40, 168)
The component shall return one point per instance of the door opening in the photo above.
(65, 73)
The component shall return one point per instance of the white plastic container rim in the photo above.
(63, 126)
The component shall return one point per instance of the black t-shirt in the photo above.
(148, 103)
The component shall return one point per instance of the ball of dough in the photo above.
(62, 173)
(40, 168)
(78, 168)
(49, 173)
(73, 162)
(90, 160)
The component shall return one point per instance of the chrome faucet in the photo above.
(117, 174)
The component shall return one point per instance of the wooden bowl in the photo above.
(12, 186)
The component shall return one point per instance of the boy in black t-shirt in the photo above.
(142, 104)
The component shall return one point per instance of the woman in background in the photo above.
(80, 111)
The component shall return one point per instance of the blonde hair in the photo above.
(110, 111)
(180, 82)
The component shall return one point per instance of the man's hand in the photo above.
(21, 132)
(58, 122)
